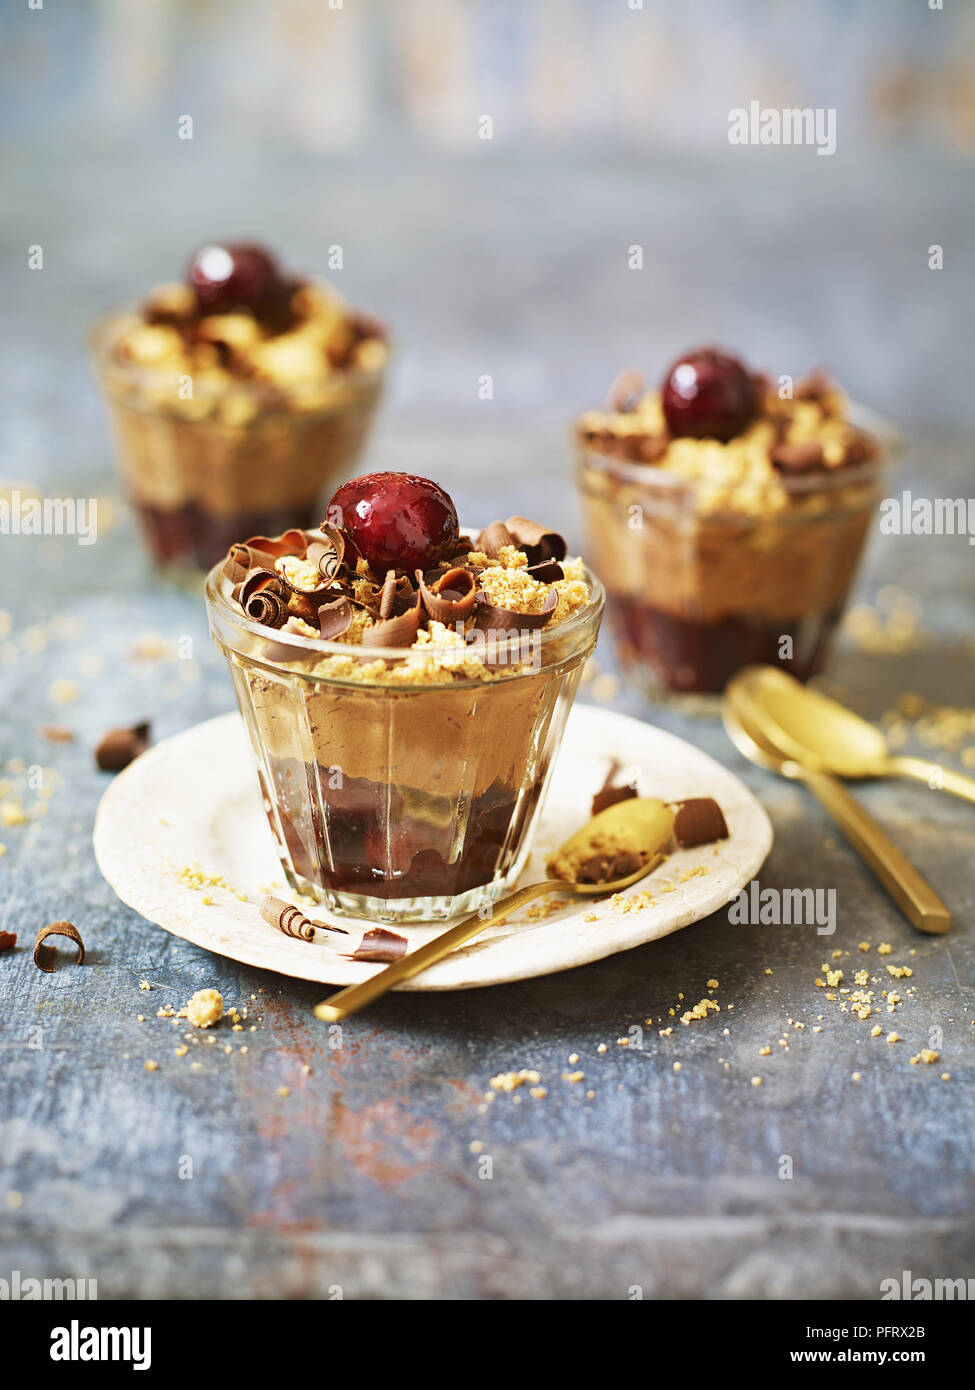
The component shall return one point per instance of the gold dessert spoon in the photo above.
(825, 735)
(748, 731)
(639, 824)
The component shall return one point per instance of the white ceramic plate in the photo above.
(193, 803)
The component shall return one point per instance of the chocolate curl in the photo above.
(268, 608)
(380, 945)
(488, 616)
(698, 821)
(334, 618)
(8, 940)
(328, 553)
(395, 632)
(609, 795)
(45, 957)
(625, 393)
(256, 580)
(292, 921)
(248, 557)
(446, 602)
(119, 747)
(537, 543)
(797, 458)
(293, 542)
(234, 572)
(492, 538)
(388, 595)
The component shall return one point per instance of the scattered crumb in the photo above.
(151, 1066)
(757, 1080)
(205, 1008)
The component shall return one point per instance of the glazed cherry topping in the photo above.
(396, 520)
(709, 395)
(228, 276)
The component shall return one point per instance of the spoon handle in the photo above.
(912, 893)
(354, 997)
(933, 775)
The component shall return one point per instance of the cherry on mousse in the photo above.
(235, 275)
(396, 520)
(708, 394)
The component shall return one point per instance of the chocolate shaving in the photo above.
(625, 392)
(493, 538)
(698, 821)
(537, 543)
(248, 557)
(489, 616)
(395, 632)
(380, 945)
(329, 553)
(45, 957)
(293, 542)
(452, 597)
(797, 458)
(234, 572)
(334, 618)
(259, 579)
(8, 940)
(610, 795)
(388, 595)
(547, 571)
(56, 733)
(292, 921)
(119, 747)
(267, 607)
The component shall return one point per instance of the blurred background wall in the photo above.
(316, 123)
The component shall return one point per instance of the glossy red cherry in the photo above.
(709, 395)
(396, 520)
(234, 275)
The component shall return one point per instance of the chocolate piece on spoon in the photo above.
(632, 832)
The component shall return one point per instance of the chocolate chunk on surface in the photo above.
(45, 956)
(699, 821)
(380, 945)
(119, 747)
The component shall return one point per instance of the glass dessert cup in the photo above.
(401, 800)
(203, 471)
(694, 594)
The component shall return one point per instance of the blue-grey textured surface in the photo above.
(509, 262)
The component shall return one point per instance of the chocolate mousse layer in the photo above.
(718, 552)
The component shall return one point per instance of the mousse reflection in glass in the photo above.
(726, 521)
(405, 689)
(238, 400)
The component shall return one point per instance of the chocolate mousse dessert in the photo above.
(405, 686)
(726, 517)
(238, 398)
